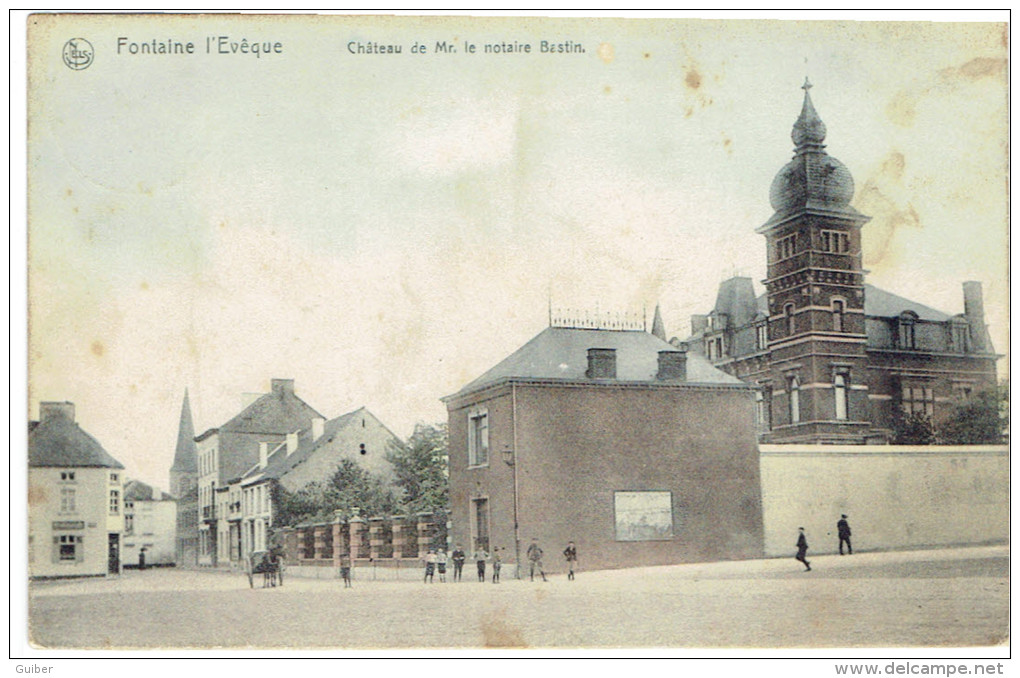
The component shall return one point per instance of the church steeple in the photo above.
(184, 472)
(658, 327)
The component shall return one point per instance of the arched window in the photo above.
(790, 324)
(794, 387)
(839, 387)
(838, 307)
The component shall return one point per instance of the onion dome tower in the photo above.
(815, 292)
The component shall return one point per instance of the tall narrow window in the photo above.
(839, 387)
(790, 323)
(114, 502)
(786, 247)
(478, 439)
(838, 307)
(794, 387)
(67, 500)
(762, 336)
(907, 336)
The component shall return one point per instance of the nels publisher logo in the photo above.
(78, 54)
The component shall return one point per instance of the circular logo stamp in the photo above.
(78, 54)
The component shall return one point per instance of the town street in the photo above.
(948, 597)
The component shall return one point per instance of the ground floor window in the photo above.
(68, 548)
(918, 400)
(643, 516)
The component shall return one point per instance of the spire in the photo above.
(658, 328)
(809, 130)
(186, 456)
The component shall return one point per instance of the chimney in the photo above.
(699, 323)
(601, 363)
(263, 455)
(672, 364)
(52, 410)
(318, 427)
(292, 441)
(283, 387)
(974, 311)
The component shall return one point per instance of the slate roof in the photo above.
(881, 304)
(59, 441)
(559, 353)
(136, 490)
(273, 412)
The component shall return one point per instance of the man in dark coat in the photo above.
(802, 550)
(459, 557)
(843, 528)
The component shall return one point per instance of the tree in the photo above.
(351, 490)
(421, 466)
(980, 420)
(915, 428)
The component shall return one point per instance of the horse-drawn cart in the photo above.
(267, 563)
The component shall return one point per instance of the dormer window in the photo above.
(960, 336)
(761, 336)
(907, 336)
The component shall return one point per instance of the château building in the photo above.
(836, 359)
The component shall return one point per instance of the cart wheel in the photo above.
(251, 581)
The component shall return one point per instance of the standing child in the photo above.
(570, 553)
(497, 563)
(345, 569)
(441, 565)
(458, 562)
(480, 557)
(430, 566)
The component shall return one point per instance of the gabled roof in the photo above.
(59, 441)
(280, 463)
(136, 490)
(559, 353)
(881, 304)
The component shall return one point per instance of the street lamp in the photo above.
(508, 459)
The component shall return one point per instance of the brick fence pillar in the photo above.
(358, 527)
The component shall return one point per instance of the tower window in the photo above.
(838, 307)
(786, 247)
(794, 388)
(836, 242)
(478, 439)
(790, 323)
(839, 386)
(762, 336)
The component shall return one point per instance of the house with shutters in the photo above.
(75, 499)
(836, 360)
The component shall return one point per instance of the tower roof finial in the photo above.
(809, 130)
(807, 84)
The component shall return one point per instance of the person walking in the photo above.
(497, 563)
(843, 528)
(480, 557)
(345, 569)
(535, 557)
(441, 565)
(430, 566)
(802, 547)
(570, 553)
(459, 557)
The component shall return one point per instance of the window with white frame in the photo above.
(918, 399)
(793, 386)
(837, 242)
(114, 502)
(786, 247)
(67, 548)
(761, 336)
(839, 387)
(478, 438)
(68, 500)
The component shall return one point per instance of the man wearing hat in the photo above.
(802, 550)
(843, 528)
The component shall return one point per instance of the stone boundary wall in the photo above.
(895, 496)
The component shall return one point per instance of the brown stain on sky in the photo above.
(692, 79)
(902, 108)
(97, 349)
(36, 495)
(888, 215)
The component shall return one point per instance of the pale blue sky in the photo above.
(384, 229)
